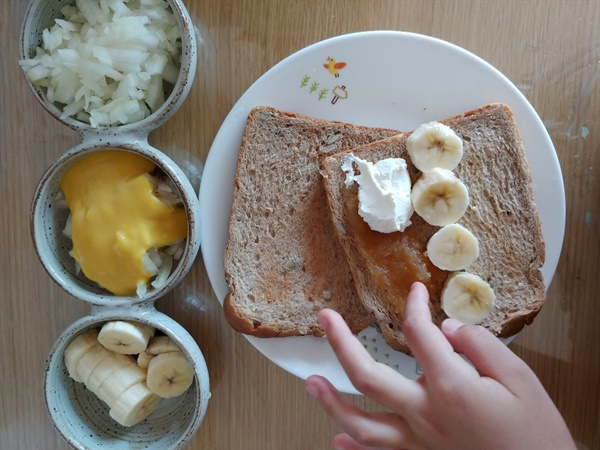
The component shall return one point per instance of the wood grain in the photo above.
(550, 49)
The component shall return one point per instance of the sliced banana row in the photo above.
(441, 199)
(132, 387)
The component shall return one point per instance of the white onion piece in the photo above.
(149, 265)
(141, 290)
(155, 256)
(67, 230)
(163, 272)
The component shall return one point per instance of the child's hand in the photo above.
(496, 403)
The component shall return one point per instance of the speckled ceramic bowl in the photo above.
(83, 419)
(79, 416)
(41, 14)
(48, 219)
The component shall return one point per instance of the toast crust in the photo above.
(283, 262)
(502, 215)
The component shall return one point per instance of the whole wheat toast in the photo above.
(502, 215)
(283, 262)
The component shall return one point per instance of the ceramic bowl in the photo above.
(83, 420)
(48, 219)
(41, 14)
(79, 416)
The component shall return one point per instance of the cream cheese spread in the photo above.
(383, 192)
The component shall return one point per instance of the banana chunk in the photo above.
(468, 298)
(88, 362)
(453, 248)
(434, 145)
(77, 348)
(169, 374)
(119, 381)
(162, 344)
(129, 338)
(439, 197)
(107, 367)
(143, 360)
(134, 405)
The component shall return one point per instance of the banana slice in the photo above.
(468, 298)
(78, 347)
(143, 360)
(434, 145)
(106, 368)
(134, 405)
(162, 344)
(119, 381)
(439, 197)
(125, 337)
(88, 362)
(169, 374)
(453, 248)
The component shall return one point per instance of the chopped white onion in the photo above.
(141, 290)
(155, 256)
(149, 265)
(163, 272)
(67, 230)
(103, 51)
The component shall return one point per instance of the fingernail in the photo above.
(312, 390)
(414, 285)
(322, 319)
(422, 296)
(451, 325)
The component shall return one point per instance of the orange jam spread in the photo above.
(117, 218)
(395, 260)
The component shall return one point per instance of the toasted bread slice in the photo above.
(283, 262)
(502, 215)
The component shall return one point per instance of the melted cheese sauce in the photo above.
(117, 218)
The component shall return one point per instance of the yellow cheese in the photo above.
(117, 218)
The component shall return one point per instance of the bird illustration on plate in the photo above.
(334, 67)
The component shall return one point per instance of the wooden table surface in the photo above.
(549, 49)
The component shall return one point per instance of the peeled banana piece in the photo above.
(434, 145)
(93, 357)
(119, 381)
(439, 197)
(162, 344)
(106, 368)
(467, 298)
(169, 374)
(129, 338)
(143, 359)
(134, 405)
(77, 348)
(453, 248)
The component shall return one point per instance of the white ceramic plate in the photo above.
(390, 79)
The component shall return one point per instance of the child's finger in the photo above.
(378, 381)
(427, 342)
(368, 429)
